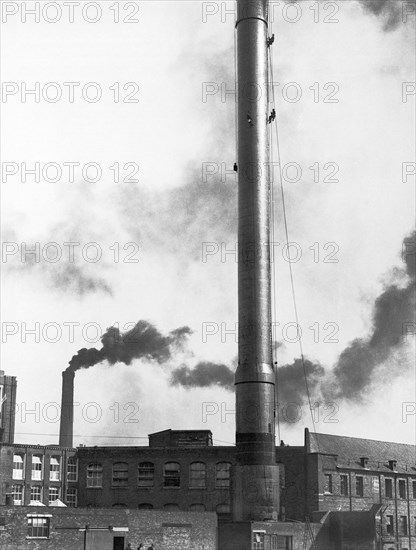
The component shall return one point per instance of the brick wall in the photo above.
(158, 495)
(167, 530)
(27, 452)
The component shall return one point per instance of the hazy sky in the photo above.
(162, 62)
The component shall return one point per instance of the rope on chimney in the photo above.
(282, 193)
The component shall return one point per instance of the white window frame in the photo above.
(55, 468)
(18, 473)
(40, 493)
(37, 473)
(58, 493)
(18, 502)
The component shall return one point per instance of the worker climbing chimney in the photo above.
(256, 474)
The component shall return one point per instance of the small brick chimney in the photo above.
(392, 464)
(66, 428)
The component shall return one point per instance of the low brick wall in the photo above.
(167, 530)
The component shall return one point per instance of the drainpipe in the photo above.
(409, 523)
(395, 507)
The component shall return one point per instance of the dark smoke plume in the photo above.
(393, 311)
(291, 387)
(203, 375)
(143, 341)
(393, 316)
(391, 12)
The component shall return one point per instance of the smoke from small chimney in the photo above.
(143, 341)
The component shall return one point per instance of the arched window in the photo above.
(55, 468)
(172, 474)
(37, 467)
(222, 475)
(94, 475)
(145, 506)
(119, 505)
(223, 509)
(171, 507)
(197, 475)
(197, 508)
(146, 474)
(18, 462)
(120, 474)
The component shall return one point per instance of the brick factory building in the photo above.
(357, 493)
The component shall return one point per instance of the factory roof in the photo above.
(380, 455)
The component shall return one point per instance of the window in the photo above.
(222, 475)
(281, 542)
(38, 527)
(258, 541)
(172, 475)
(375, 484)
(388, 484)
(71, 497)
(359, 486)
(197, 508)
(72, 469)
(402, 488)
(390, 525)
(120, 474)
(145, 506)
(53, 493)
(328, 483)
(55, 468)
(37, 467)
(414, 488)
(197, 476)
(171, 507)
(223, 509)
(403, 525)
(344, 486)
(146, 477)
(17, 492)
(35, 494)
(94, 475)
(119, 505)
(18, 463)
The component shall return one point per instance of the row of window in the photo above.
(37, 468)
(344, 488)
(171, 475)
(36, 495)
(402, 525)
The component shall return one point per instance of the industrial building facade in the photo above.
(357, 493)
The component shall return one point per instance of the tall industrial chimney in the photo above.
(67, 410)
(256, 474)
